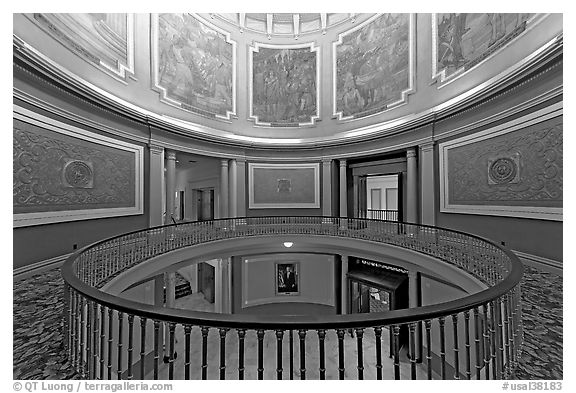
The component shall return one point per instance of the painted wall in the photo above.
(255, 276)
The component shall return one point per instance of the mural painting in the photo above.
(195, 66)
(284, 86)
(103, 39)
(464, 40)
(373, 66)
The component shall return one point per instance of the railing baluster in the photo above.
(82, 336)
(223, 332)
(89, 315)
(74, 330)
(120, 334)
(477, 328)
(241, 336)
(260, 335)
(321, 351)
(359, 337)
(499, 339)
(396, 349)
(378, 334)
(456, 347)
(302, 335)
(487, 346)
(341, 370)
(205, 331)
(187, 331)
(156, 348)
(428, 327)
(279, 336)
(130, 344)
(507, 337)
(102, 340)
(441, 321)
(412, 329)
(143, 322)
(110, 342)
(467, 343)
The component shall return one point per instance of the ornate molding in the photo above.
(497, 158)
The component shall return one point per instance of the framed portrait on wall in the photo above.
(287, 277)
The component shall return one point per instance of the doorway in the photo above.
(379, 197)
(204, 204)
(206, 281)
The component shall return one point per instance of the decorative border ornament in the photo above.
(440, 74)
(411, 71)
(79, 173)
(256, 48)
(155, 59)
(501, 170)
(283, 186)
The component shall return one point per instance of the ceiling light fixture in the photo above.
(288, 244)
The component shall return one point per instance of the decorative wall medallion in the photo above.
(194, 65)
(373, 66)
(284, 84)
(460, 41)
(78, 174)
(284, 185)
(504, 170)
(105, 40)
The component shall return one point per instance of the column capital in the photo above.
(327, 160)
(171, 155)
(412, 274)
(411, 152)
(224, 162)
(342, 162)
(427, 146)
(155, 149)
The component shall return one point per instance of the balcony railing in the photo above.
(475, 337)
(379, 214)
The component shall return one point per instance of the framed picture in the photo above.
(287, 276)
(283, 186)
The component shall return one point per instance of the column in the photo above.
(344, 284)
(223, 197)
(326, 187)
(156, 185)
(428, 197)
(170, 185)
(170, 284)
(241, 184)
(411, 187)
(343, 190)
(233, 189)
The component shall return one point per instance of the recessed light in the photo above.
(288, 244)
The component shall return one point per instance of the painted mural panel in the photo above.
(284, 85)
(55, 172)
(464, 40)
(373, 66)
(105, 40)
(194, 65)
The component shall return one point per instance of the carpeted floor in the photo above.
(39, 352)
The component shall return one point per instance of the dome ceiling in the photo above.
(286, 79)
(285, 24)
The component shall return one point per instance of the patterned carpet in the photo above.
(39, 353)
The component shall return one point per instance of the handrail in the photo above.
(312, 322)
